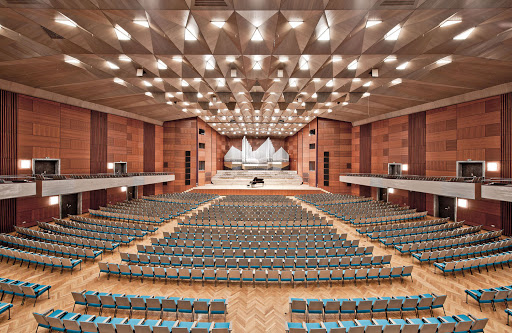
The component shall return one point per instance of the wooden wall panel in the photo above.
(481, 212)
(75, 142)
(8, 154)
(291, 148)
(149, 155)
(417, 144)
(506, 157)
(159, 155)
(365, 149)
(441, 139)
(99, 137)
(135, 145)
(400, 197)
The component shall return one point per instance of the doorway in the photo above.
(395, 169)
(69, 205)
(131, 193)
(446, 207)
(470, 168)
(120, 168)
(46, 166)
(382, 194)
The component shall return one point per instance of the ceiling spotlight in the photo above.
(293, 82)
(118, 80)
(177, 58)
(403, 66)
(283, 58)
(72, 61)
(336, 58)
(170, 95)
(257, 66)
(464, 35)
(66, 22)
(277, 80)
(352, 65)
(158, 79)
(304, 65)
(325, 35)
(184, 83)
(221, 82)
(189, 35)
(330, 83)
(316, 79)
(356, 79)
(218, 24)
(161, 65)
(344, 103)
(367, 84)
(366, 94)
(147, 84)
(450, 22)
(329, 110)
(390, 58)
(230, 59)
(147, 93)
(142, 23)
(295, 24)
(199, 95)
(444, 61)
(371, 23)
(396, 81)
(184, 110)
(256, 36)
(314, 95)
(393, 33)
(197, 79)
(125, 58)
(169, 102)
(121, 33)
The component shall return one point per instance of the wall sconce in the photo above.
(54, 200)
(391, 190)
(462, 203)
(405, 167)
(25, 164)
(110, 166)
(123, 189)
(492, 166)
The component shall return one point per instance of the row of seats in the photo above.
(23, 289)
(125, 217)
(5, 307)
(256, 238)
(51, 249)
(446, 324)
(69, 322)
(39, 259)
(236, 275)
(387, 219)
(415, 231)
(330, 199)
(246, 245)
(463, 252)
(253, 253)
(258, 224)
(490, 296)
(85, 234)
(448, 243)
(256, 200)
(255, 263)
(100, 228)
(252, 232)
(400, 226)
(475, 263)
(369, 305)
(113, 224)
(183, 197)
(66, 240)
(431, 236)
(161, 304)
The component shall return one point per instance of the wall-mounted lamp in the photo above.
(25, 164)
(110, 166)
(391, 190)
(405, 167)
(54, 200)
(123, 189)
(492, 166)
(462, 203)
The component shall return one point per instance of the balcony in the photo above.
(467, 188)
(497, 189)
(44, 186)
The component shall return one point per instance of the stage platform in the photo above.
(243, 177)
(288, 190)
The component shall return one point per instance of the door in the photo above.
(120, 167)
(46, 167)
(446, 207)
(131, 193)
(383, 194)
(471, 169)
(68, 205)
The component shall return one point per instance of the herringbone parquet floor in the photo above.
(250, 309)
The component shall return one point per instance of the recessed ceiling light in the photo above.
(143, 23)
(121, 33)
(396, 81)
(325, 35)
(330, 83)
(147, 93)
(199, 95)
(112, 65)
(316, 79)
(186, 103)
(352, 65)
(161, 65)
(393, 33)
(356, 79)
(147, 84)
(283, 58)
(371, 23)
(66, 22)
(169, 102)
(197, 79)
(304, 64)
(256, 36)
(403, 66)
(184, 110)
(277, 80)
(71, 60)
(184, 83)
(390, 58)
(336, 58)
(295, 24)
(344, 103)
(314, 95)
(118, 80)
(230, 59)
(366, 94)
(125, 58)
(158, 79)
(210, 63)
(189, 35)
(219, 24)
(221, 82)
(444, 61)
(367, 84)
(257, 66)
(316, 111)
(450, 21)
(329, 110)
(464, 35)
(177, 58)
(293, 83)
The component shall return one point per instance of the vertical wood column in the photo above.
(365, 157)
(99, 128)
(149, 155)
(506, 158)
(8, 153)
(417, 156)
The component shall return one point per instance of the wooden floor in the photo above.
(250, 309)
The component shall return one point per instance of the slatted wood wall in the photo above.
(98, 162)
(417, 155)
(506, 157)
(290, 145)
(149, 155)
(8, 154)
(365, 156)
(159, 155)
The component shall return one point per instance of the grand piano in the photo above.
(255, 181)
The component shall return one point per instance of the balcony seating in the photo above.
(475, 263)
(66, 240)
(490, 296)
(463, 252)
(85, 234)
(370, 305)
(23, 289)
(39, 259)
(446, 324)
(5, 307)
(51, 249)
(63, 321)
(161, 304)
(235, 275)
(262, 253)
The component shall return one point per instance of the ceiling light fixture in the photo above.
(125, 58)
(396, 81)
(230, 59)
(403, 66)
(72, 61)
(367, 84)
(352, 65)
(66, 22)
(283, 58)
(393, 33)
(366, 94)
(295, 24)
(121, 33)
(325, 35)
(160, 64)
(293, 82)
(330, 83)
(158, 79)
(147, 93)
(464, 35)
(356, 79)
(221, 82)
(390, 58)
(257, 66)
(444, 61)
(218, 24)
(142, 23)
(118, 80)
(256, 36)
(344, 103)
(189, 35)
(336, 58)
(184, 83)
(177, 58)
(371, 23)
(450, 21)
(147, 84)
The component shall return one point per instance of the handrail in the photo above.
(41, 177)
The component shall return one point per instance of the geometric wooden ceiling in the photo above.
(204, 57)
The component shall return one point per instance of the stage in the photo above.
(288, 190)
